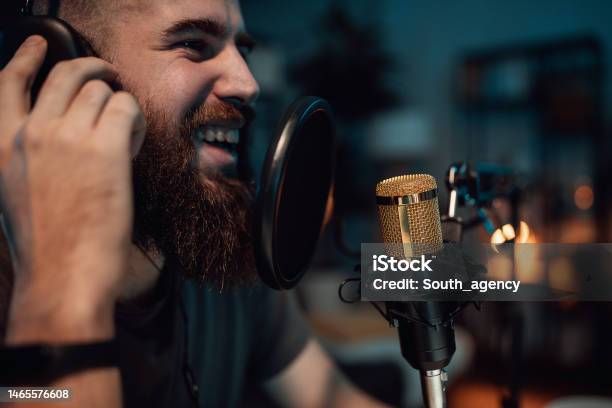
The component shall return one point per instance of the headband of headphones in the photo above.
(26, 9)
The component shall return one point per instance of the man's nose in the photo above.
(236, 80)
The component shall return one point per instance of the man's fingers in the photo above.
(88, 105)
(17, 77)
(64, 83)
(122, 124)
(138, 135)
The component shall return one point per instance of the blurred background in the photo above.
(416, 86)
(419, 85)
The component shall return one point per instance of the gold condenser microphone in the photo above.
(409, 215)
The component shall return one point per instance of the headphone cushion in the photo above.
(63, 41)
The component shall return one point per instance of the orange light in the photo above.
(498, 237)
(524, 232)
(507, 233)
(583, 197)
(528, 266)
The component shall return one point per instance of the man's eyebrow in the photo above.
(205, 25)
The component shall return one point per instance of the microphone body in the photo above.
(428, 348)
(409, 215)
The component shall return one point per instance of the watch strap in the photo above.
(41, 364)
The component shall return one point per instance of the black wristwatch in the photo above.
(41, 364)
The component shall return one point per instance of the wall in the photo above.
(427, 39)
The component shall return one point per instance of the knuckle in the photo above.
(95, 89)
(124, 104)
(60, 71)
(80, 66)
(29, 136)
(64, 67)
(70, 68)
(29, 129)
(65, 134)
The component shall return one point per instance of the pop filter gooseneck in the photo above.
(295, 185)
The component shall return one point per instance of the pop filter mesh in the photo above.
(303, 196)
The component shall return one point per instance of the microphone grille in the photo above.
(405, 185)
(416, 223)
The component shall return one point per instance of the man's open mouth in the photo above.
(217, 146)
(223, 138)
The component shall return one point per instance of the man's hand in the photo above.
(66, 195)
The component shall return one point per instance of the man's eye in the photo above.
(201, 48)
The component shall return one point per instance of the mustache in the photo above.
(236, 112)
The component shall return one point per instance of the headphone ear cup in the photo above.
(63, 41)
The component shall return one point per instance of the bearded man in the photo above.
(123, 222)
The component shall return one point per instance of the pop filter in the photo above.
(295, 185)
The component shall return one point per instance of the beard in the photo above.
(197, 218)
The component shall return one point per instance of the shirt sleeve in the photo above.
(279, 334)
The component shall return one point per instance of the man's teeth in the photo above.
(218, 135)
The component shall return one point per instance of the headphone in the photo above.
(63, 41)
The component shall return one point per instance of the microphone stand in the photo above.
(427, 341)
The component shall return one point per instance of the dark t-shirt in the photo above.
(224, 343)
